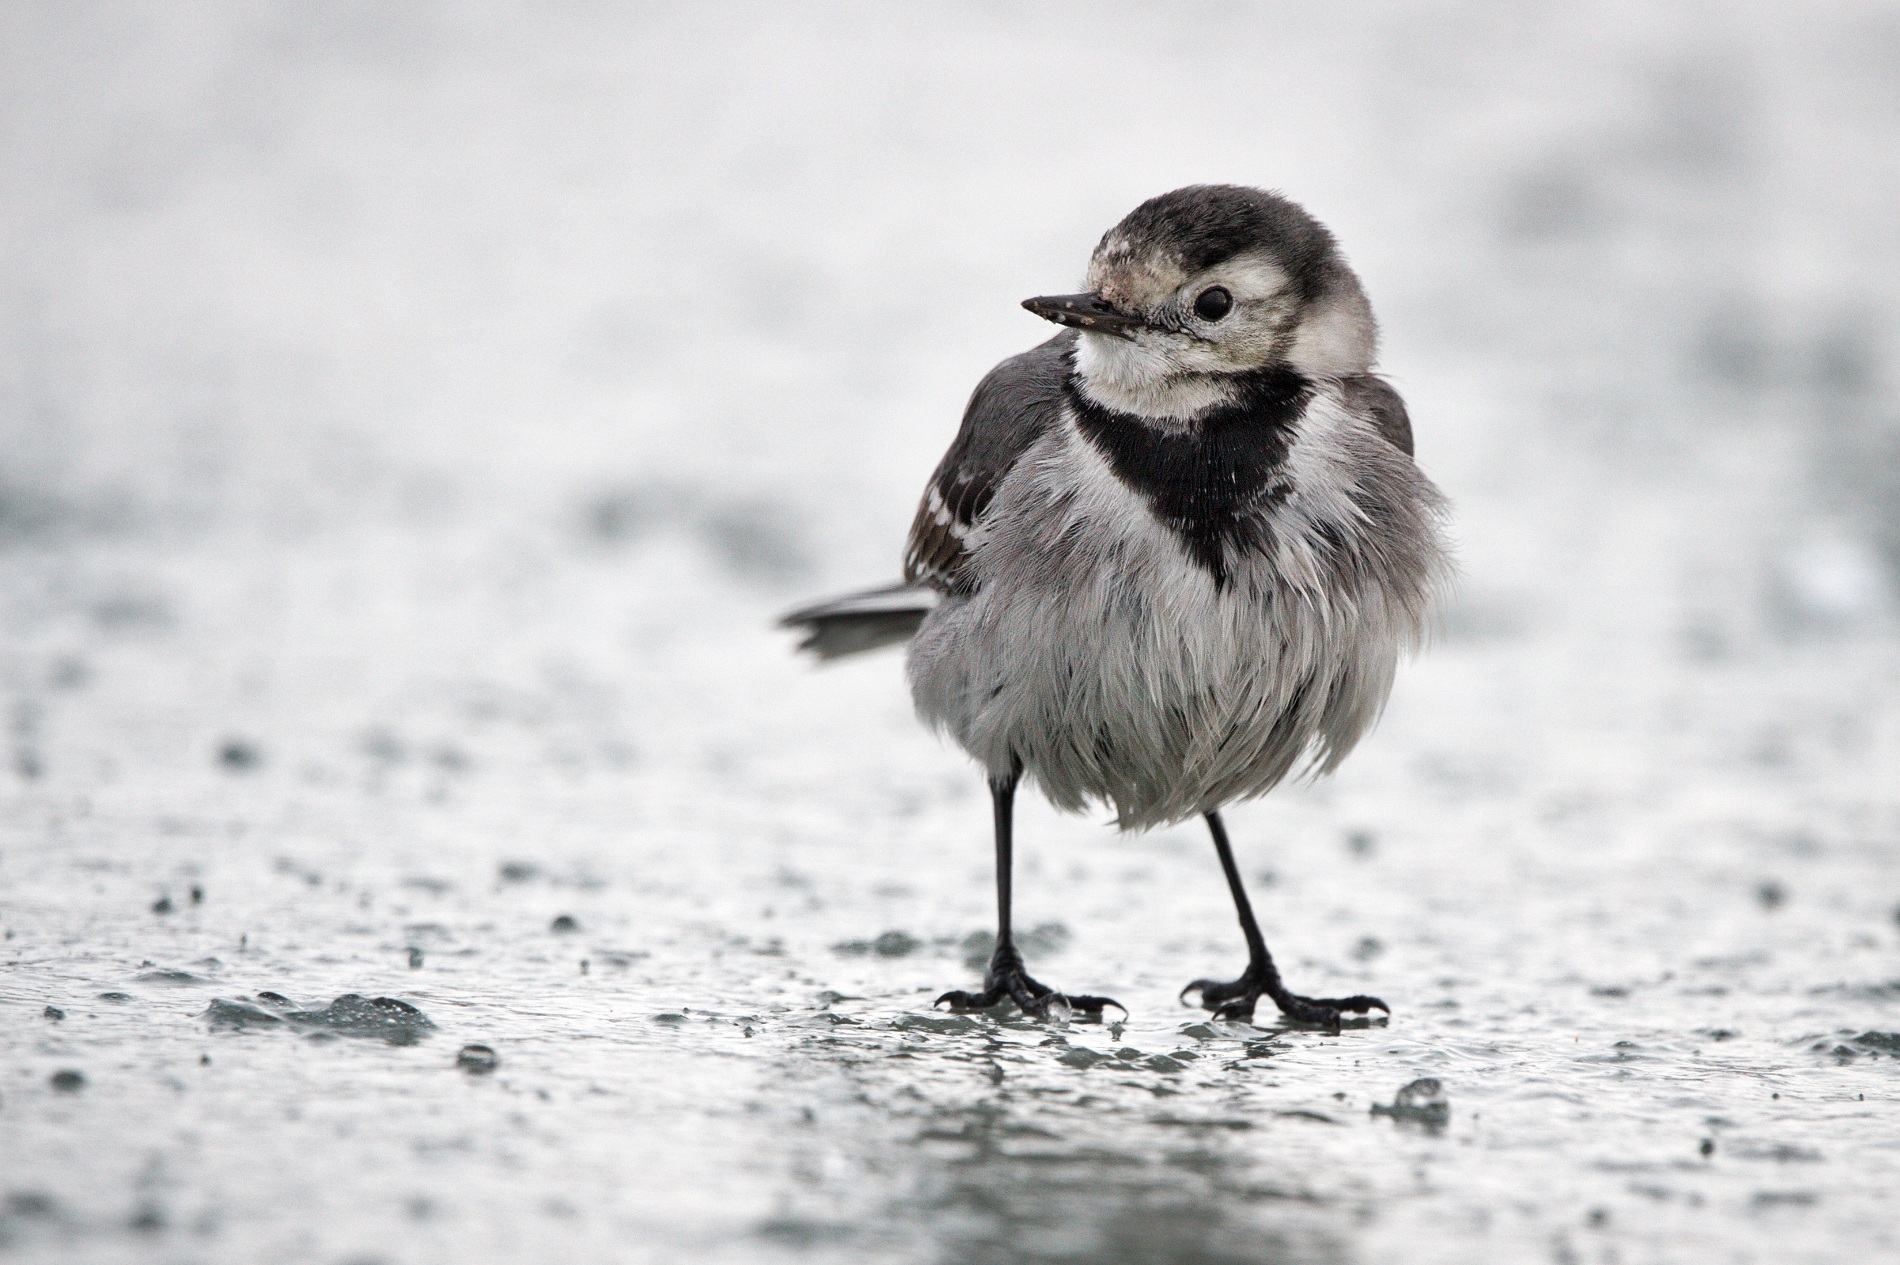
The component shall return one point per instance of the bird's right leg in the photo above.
(1235, 999)
(1007, 979)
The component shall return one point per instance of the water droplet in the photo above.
(477, 1060)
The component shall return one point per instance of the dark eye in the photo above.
(1213, 304)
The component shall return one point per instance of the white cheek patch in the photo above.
(1332, 339)
(1336, 338)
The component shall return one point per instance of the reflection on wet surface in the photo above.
(700, 1064)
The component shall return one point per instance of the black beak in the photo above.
(1085, 311)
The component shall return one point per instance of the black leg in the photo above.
(1007, 979)
(1235, 999)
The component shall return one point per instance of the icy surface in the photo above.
(411, 418)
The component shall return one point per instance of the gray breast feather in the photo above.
(1091, 651)
(1016, 403)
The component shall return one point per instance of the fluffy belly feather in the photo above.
(1097, 657)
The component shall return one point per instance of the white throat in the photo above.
(1138, 378)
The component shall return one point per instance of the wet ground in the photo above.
(416, 844)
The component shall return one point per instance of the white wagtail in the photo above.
(1173, 555)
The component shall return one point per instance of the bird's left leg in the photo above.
(1008, 979)
(1235, 999)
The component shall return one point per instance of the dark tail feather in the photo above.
(863, 621)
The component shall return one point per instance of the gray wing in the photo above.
(1374, 395)
(1013, 406)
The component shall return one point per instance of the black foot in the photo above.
(1006, 980)
(1235, 999)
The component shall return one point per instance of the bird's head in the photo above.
(1201, 285)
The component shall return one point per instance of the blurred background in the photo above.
(412, 417)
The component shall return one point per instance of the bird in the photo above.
(1173, 556)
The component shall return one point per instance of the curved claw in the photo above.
(1359, 1004)
(1216, 992)
(1090, 1005)
(960, 1000)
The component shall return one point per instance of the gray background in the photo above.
(413, 415)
